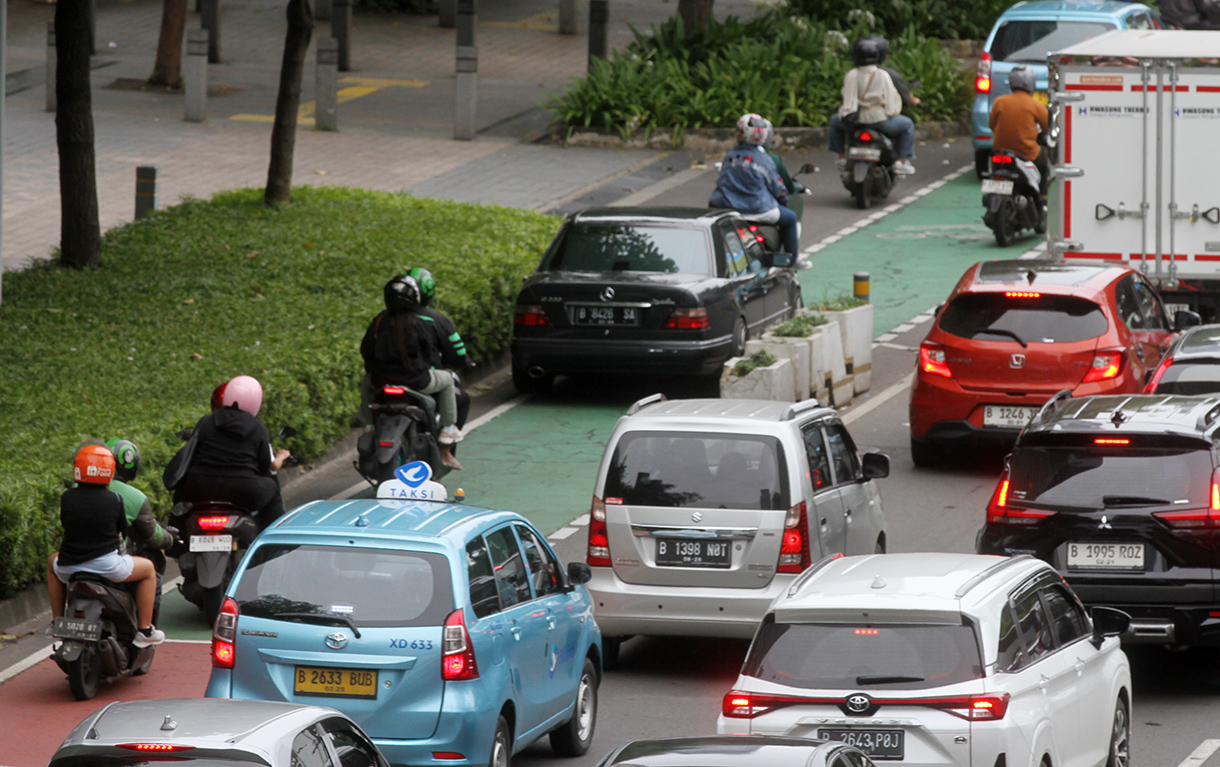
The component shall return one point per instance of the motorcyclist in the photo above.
(234, 461)
(1191, 14)
(94, 521)
(395, 351)
(1016, 120)
(870, 94)
(750, 183)
(449, 351)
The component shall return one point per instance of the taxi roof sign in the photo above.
(412, 482)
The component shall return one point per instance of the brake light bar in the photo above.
(932, 359)
(747, 705)
(395, 390)
(213, 523)
(155, 747)
(1111, 441)
(1021, 293)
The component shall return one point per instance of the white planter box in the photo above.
(840, 381)
(856, 331)
(775, 382)
(796, 349)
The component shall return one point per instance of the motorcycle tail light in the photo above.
(396, 391)
(866, 136)
(1001, 159)
(216, 522)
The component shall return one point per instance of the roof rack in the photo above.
(1050, 407)
(651, 399)
(1209, 418)
(990, 571)
(809, 572)
(797, 408)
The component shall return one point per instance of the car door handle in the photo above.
(516, 632)
(550, 622)
(1079, 667)
(1043, 682)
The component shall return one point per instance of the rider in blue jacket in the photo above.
(750, 184)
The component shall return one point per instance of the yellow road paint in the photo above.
(361, 86)
(378, 83)
(546, 21)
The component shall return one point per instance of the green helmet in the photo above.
(126, 458)
(426, 282)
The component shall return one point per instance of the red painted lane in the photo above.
(37, 710)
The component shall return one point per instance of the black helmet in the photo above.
(1022, 78)
(401, 295)
(426, 282)
(126, 458)
(865, 51)
(883, 46)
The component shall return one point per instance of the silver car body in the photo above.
(842, 510)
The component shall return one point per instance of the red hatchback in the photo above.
(1013, 333)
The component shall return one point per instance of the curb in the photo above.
(723, 139)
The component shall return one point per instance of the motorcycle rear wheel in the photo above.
(85, 674)
(863, 198)
(1004, 223)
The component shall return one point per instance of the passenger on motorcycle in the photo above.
(1016, 120)
(750, 183)
(234, 461)
(449, 351)
(870, 95)
(95, 522)
(900, 84)
(790, 184)
(397, 351)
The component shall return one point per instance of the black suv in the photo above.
(1120, 495)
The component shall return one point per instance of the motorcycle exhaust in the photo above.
(536, 372)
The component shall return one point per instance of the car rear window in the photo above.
(836, 656)
(1096, 477)
(1044, 319)
(587, 248)
(1190, 378)
(1029, 42)
(680, 469)
(373, 587)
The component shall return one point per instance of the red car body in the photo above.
(1013, 333)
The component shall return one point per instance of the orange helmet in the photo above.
(94, 464)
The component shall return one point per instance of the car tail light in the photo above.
(794, 554)
(747, 705)
(457, 653)
(213, 523)
(998, 510)
(1150, 388)
(688, 319)
(396, 391)
(1196, 519)
(932, 359)
(1106, 365)
(599, 542)
(530, 316)
(155, 747)
(982, 76)
(224, 634)
(1003, 159)
(973, 707)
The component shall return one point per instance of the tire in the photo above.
(501, 745)
(611, 647)
(1003, 223)
(213, 598)
(85, 674)
(863, 200)
(741, 334)
(1120, 737)
(924, 455)
(526, 385)
(143, 669)
(575, 737)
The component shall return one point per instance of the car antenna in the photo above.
(1117, 418)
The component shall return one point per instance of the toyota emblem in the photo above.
(858, 704)
(1016, 361)
(607, 293)
(336, 640)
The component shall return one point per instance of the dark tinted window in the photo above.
(511, 577)
(1034, 625)
(1098, 477)
(484, 596)
(853, 657)
(544, 569)
(352, 747)
(735, 252)
(373, 587)
(308, 750)
(1127, 305)
(1191, 378)
(1067, 617)
(1031, 41)
(1150, 305)
(1047, 319)
(683, 470)
(815, 453)
(1010, 653)
(843, 454)
(587, 248)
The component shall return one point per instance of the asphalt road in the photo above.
(668, 686)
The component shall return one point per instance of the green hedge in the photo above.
(945, 19)
(787, 69)
(203, 291)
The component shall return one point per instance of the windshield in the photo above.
(852, 657)
(372, 587)
(1191, 378)
(1098, 478)
(687, 470)
(1030, 42)
(1045, 320)
(587, 248)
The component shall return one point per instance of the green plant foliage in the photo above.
(787, 69)
(945, 19)
(759, 359)
(196, 294)
(838, 304)
(800, 326)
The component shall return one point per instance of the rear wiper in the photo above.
(1110, 501)
(998, 332)
(884, 679)
(323, 618)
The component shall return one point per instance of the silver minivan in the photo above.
(706, 509)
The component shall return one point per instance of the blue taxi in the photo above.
(450, 633)
(1025, 34)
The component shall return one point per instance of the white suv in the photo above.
(940, 659)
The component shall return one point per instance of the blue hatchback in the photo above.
(1025, 34)
(449, 633)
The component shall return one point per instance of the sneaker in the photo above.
(149, 637)
(904, 168)
(451, 462)
(450, 435)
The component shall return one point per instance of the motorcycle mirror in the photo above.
(809, 168)
(913, 85)
(287, 432)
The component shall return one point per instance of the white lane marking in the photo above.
(30, 660)
(188, 641)
(875, 402)
(899, 347)
(562, 533)
(883, 338)
(1037, 252)
(583, 519)
(1201, 753)
(904, 327)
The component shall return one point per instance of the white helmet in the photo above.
(753, 129)
(1022, 78)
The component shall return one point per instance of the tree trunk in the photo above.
(288, 102)
(694, 13)
(168, 68)
(80, 240)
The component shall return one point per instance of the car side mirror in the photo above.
(1108, 622)
(1185, 318)
(579, 573)
(876, 465)
(781, 259)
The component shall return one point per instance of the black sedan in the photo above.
(737, 751)
(647, 290)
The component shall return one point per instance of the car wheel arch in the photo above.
(509, 712)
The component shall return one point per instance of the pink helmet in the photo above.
(243, 391)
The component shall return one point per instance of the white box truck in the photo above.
(1136, 135)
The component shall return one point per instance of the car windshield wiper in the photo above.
(322, 618)
(1110, 501)
(999, 332)
(886, 679)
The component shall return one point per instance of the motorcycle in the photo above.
(1012, 197)
(406, 427)
(869, 170)
(796, 203)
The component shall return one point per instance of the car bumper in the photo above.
(569, 355)
(624, 609)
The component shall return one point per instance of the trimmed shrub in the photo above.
(759, 359)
